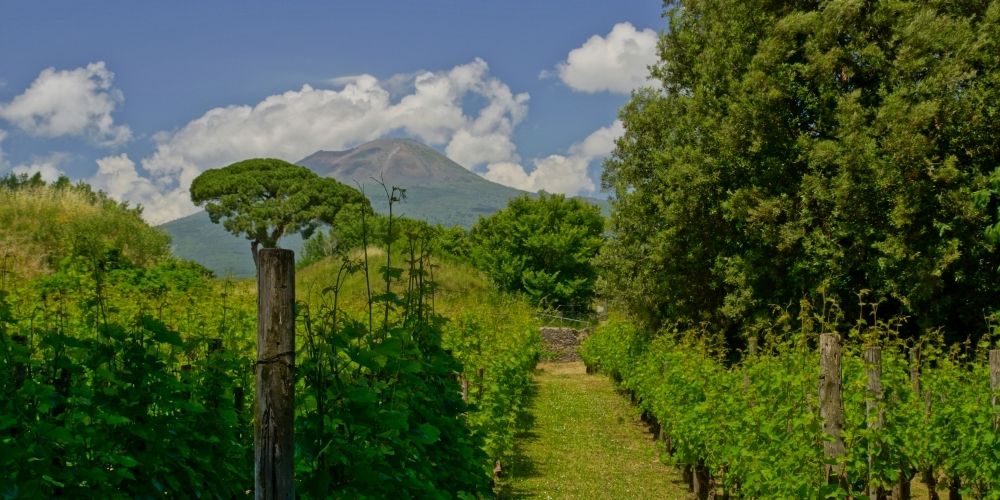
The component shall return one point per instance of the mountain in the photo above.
(438, 190)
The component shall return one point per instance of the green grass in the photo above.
(581, 439)
(41, 225)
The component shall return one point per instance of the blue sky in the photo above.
(139, 97)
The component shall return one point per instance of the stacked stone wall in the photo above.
(562, 343)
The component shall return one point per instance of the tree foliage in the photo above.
(265, 199)
(542, 246)
(801, 148)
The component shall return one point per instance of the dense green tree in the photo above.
(798, 148)
(542, 246)
(265, 199)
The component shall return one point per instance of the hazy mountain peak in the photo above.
(403, 162)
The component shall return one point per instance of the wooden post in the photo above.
(995, 384)
(901, 490)
(274, 456)
(874, 413)
(831, 409)
(927, 475)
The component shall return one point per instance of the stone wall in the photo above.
(561, 343)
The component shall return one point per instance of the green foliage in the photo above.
(264, 199)
(803, 146)
(988, 200)
(112, 386)
(756, 425)
(498, 344)
(127, 381)
(382, 411)
(541, 246)
(347, 232)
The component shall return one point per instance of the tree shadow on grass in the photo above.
(521, 466)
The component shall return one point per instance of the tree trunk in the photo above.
(955, 489)
(702, 484)
(275, 409)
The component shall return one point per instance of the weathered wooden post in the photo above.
(874, 412)
(901, 490)
(831, 406)
(275, 410)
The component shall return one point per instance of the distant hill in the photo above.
(438, 190)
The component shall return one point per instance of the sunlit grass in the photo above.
(458, 284)
(40, 225)
(581, 439)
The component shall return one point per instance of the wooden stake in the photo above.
(874, 413)
(274, 456)
(831, 409)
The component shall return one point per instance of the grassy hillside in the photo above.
(42, 225)
(458, 283)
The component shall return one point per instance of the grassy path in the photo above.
(581, 439)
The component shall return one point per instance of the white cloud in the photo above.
(296, 123)
(565, 174)
(616, 63)
(554, 174)
(48, 166)
(117, 176)
(76, 102)
(471, 150)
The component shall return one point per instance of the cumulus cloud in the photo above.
(48, 166)
(616, 63)
(471, 150)
(76, 102)
(118, 177)
(565, 174)
(296, 123)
